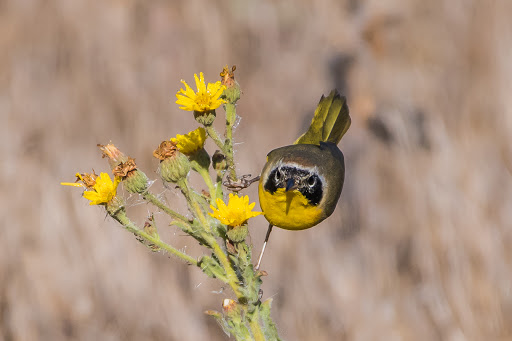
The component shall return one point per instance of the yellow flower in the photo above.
(103, 191)
(100, 190)
(191, 142)
(204, 100)
(236, 212)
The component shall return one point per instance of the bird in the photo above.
(301, 183)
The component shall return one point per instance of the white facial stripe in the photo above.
(280, 163)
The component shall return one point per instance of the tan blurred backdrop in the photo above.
(419, 246)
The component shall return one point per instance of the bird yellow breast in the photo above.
(288, 210)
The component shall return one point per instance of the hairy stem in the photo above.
(214, 135)
(155, 201)
(224, 261)
(255, 326)
(208, 181)
(194, 204)
(121, 217)
(227, 146)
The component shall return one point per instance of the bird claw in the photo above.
(240, 184)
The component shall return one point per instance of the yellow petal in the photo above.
(236, 212)
(201, 87)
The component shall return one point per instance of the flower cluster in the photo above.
(220, 226)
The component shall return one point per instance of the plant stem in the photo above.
(218, 185)
(227, 146)
(230, 121)
(224, 261)
(210, 239)
(256, 326)
(121, 217)
(193, 204)
(215, 137)
(155, 201)
(208, 181)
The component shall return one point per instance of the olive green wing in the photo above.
(330, 122)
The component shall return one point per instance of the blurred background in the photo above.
(419, 245)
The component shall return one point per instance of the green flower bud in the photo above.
(205, 118)
(232, 94)
(175, 168)
(237, 234)
(136, 182)
(219, 161)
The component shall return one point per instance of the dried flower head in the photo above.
(207, 97)
(114, 155)
(228, 76)
(165, 150)
(125, 168)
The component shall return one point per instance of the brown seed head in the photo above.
(165, 150)
(125, 169)
(112, 152)
(228, 76)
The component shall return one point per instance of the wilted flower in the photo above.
(88, 180)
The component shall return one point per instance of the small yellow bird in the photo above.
(300, 184)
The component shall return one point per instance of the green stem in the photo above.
(230, 121)
(210, 239)
(121, 217)
(218, 185)
(224, 261)
(193, 204)
(255, 326)
(208, 181)
(227, 146)
(215, 137)
(155, 201)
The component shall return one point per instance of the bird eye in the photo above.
(278, 175)
(312, 181)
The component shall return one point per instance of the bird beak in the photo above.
(291, 185)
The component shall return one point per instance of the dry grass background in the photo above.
(419, 246)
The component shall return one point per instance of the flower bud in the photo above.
(205, 118)
(136, 182)
(237, 234)
(219, 161)
(174, 168)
